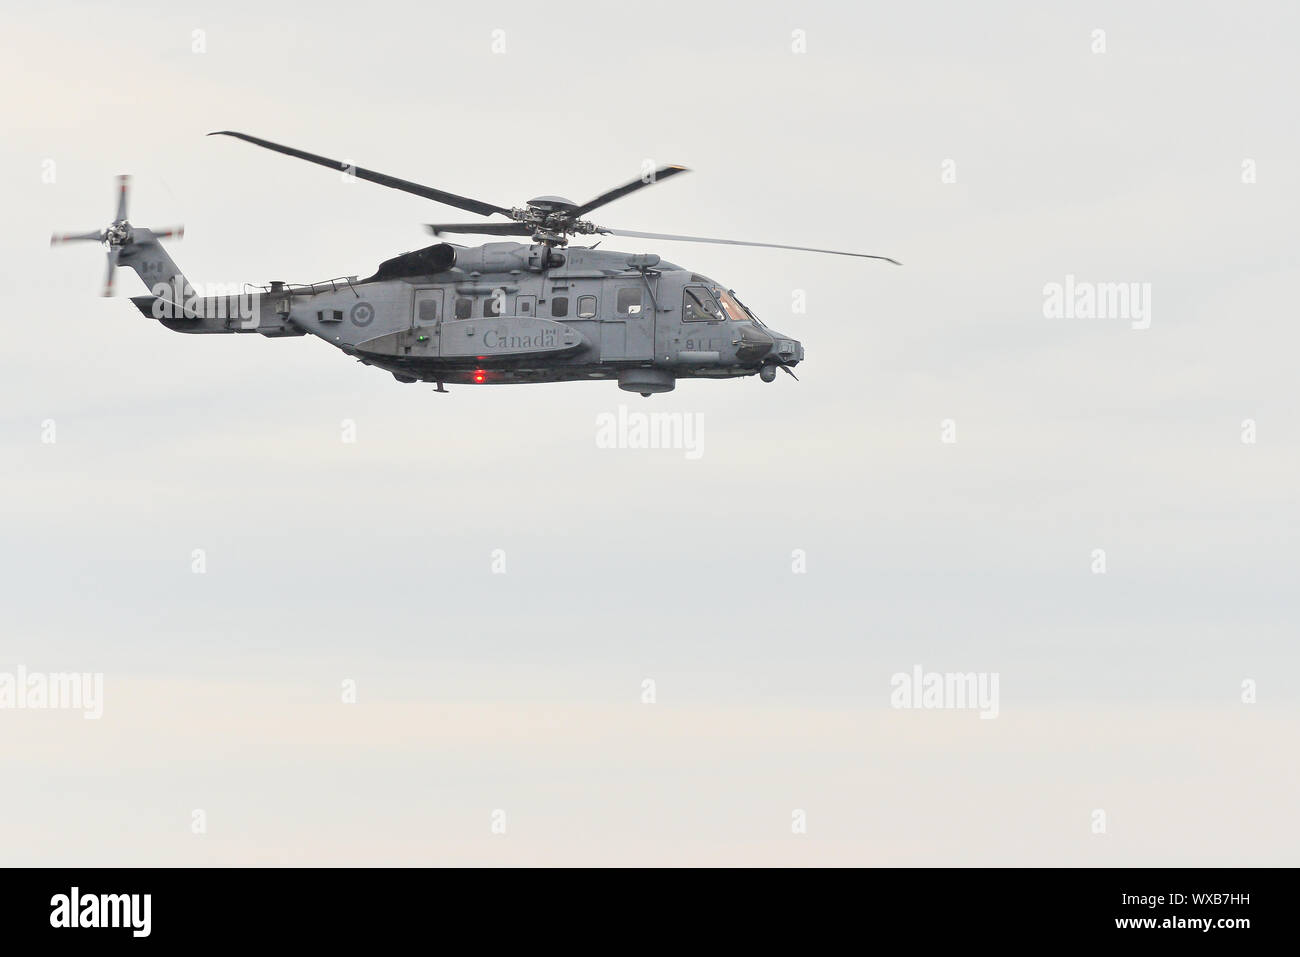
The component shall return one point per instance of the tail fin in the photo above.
(156, 269)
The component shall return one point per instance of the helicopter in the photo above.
(503, 312)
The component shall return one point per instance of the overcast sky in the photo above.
(994, 151)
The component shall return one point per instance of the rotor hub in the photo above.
(551, 220)
(118, 233)
(551, 204)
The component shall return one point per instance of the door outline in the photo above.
(427, 294)
(634, 339)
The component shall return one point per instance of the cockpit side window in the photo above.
(698, 305)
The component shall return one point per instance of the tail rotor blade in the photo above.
(171, 232)
(108, 279)
(58, 238)
(122, 183)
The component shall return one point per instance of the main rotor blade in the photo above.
(122, 182)
(660, 174)
(76, 238)
(737, 242)
(482, 229)
(428, 192)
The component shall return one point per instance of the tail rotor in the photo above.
(119, 234)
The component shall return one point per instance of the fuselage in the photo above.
(514, 313)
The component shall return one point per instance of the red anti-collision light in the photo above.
(479, 376)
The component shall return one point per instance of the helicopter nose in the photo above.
(787, 351)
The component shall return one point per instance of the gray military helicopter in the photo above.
(503, 312)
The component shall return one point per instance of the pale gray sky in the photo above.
(371, 561)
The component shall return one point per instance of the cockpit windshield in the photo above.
(734, 310)
(749, 312)
(724, 304)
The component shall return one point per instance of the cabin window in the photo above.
(698, 305)
(586, 307)
(464, 308)
(491, 306)
(629, 301)
(559, 306)
(428, 310)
